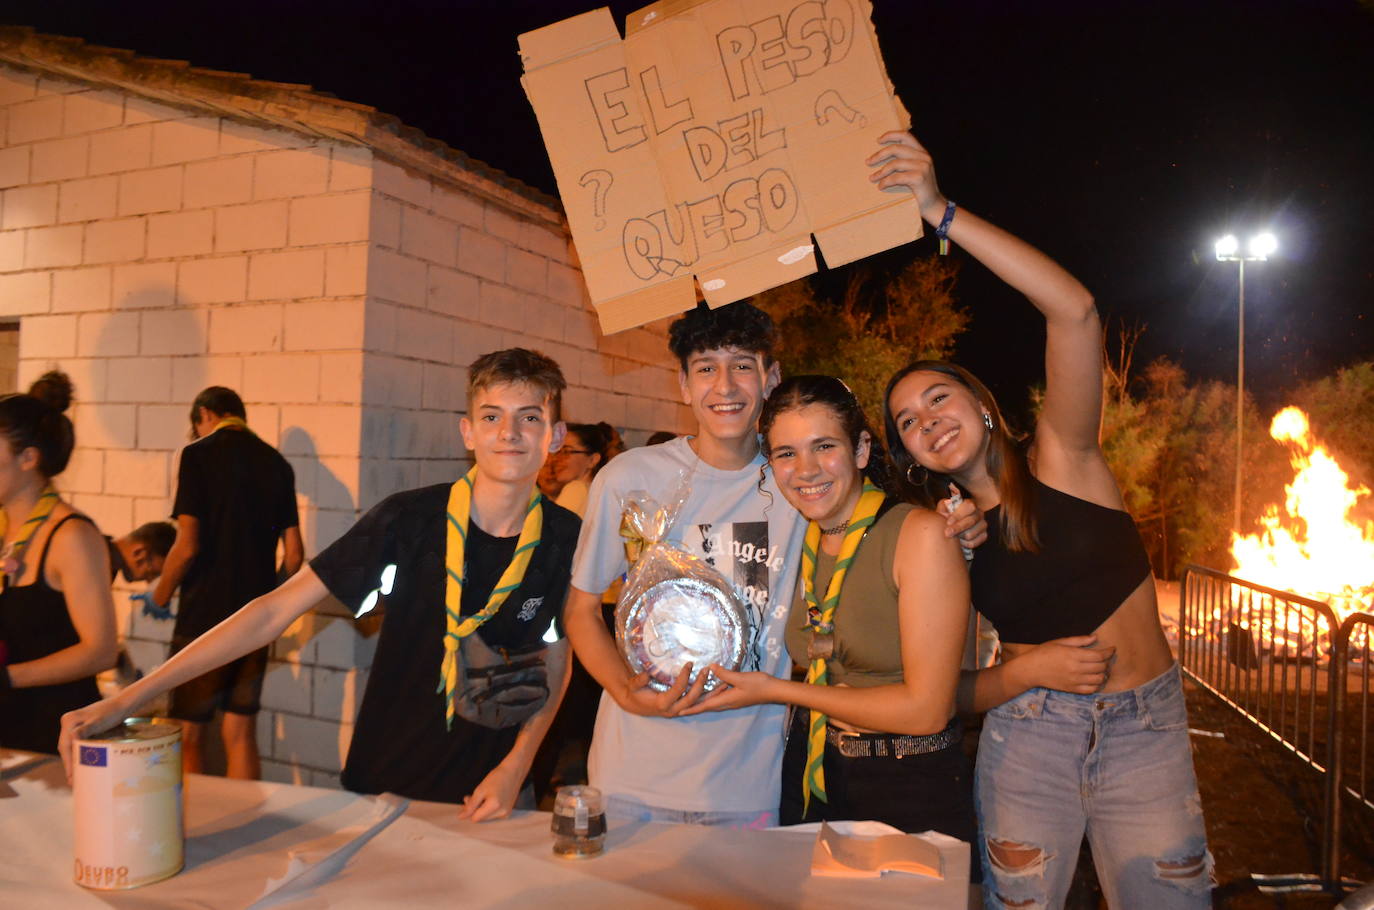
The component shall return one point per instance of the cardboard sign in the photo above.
(717, 144)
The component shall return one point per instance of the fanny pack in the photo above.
(496, 689)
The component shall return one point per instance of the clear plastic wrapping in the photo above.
(675, 608)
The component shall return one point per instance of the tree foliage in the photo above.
(874, 330)
(1171, 442)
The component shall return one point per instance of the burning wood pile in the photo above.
(1311, 545)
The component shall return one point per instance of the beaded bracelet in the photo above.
(943, 230)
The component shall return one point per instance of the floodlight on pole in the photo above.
(1261, 247)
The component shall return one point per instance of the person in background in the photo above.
(1110, 759)
(547, 482)
(57, 621)
(236, 498)
(473, 573)
(586, 449)
(617, 444)
(659, 436)
(140, 554)
(563, 757)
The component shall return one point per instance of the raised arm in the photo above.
(1071, 419)
(255, 625)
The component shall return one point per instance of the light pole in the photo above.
(1261, 247)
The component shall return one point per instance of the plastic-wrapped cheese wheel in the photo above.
(682, 620)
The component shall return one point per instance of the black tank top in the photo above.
(34, 623)
(1090, 559)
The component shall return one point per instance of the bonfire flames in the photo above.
(1311, 546)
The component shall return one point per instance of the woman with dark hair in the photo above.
(586, 448)
(880, 624)
(1063, 559)
(562, 757)
(57, 626)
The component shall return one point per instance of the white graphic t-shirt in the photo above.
(716, 762)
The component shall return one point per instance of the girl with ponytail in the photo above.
(57, 626)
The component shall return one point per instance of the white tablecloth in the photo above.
(256, 844)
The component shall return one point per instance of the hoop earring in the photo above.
(925, 475)
(987, 421)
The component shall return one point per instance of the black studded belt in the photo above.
(881, 745)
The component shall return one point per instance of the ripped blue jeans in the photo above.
(1118, 767)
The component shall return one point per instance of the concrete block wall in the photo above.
(452, 275)
(151, 250)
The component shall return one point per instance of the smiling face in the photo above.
(815, 464)
(940, 422)
(510, 431)
(726, 387)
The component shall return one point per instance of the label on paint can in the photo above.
(127, 792)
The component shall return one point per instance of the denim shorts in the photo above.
(1118, 767)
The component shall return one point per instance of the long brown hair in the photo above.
(1006, 459)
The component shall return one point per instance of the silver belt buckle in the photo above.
(850, 745)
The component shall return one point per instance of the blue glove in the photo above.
(150, 606)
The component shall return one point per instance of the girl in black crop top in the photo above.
(57, 626)
(1063, 570)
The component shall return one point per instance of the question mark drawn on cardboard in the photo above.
(601, 179)
(831, 100)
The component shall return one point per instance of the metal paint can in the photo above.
(127, 792)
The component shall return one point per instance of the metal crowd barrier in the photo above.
(1351, 780)
(1284, 662)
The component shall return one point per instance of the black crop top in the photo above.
(1090, 559)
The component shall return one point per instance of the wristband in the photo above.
(942, 231)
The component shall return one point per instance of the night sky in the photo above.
(1122, 138)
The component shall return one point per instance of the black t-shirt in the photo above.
(243, 494)
(400, 743)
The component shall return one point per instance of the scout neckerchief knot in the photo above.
(456, 627)
(238, 423)
(12, 558)
(820, 617)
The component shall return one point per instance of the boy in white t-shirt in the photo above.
(713, 768)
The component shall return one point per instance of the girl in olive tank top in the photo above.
(879, 626)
